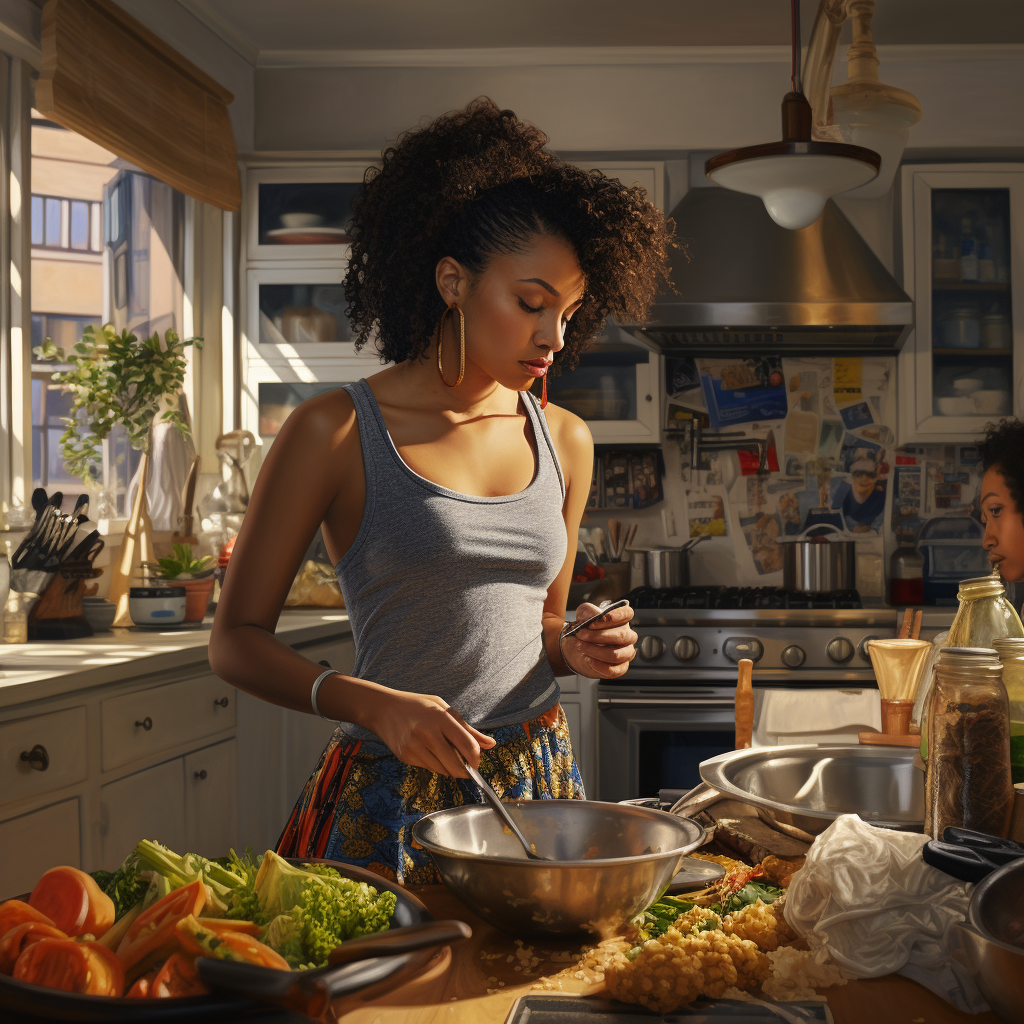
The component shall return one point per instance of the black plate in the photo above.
(21, 1001)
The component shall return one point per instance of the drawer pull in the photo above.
(201, 774)
(222, 703)
(146, 723)
(38, 759)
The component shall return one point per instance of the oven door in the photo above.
(655, 739)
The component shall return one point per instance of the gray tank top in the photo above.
(445, 590)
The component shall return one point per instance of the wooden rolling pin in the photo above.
(744, 704)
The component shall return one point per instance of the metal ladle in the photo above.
(495, 801)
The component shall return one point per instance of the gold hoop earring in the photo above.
(462, 344)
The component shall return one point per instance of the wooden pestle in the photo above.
(744, 704)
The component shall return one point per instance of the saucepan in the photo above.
(815, 562)
(661, 567)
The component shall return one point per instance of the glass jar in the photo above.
(983, 616)
(15, 619)
(967, 784)
(1011, 654)
(906, 573)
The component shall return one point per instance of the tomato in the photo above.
(15, 912)
(140, 990)
(177, 978)
(16, 940)
(154, 928)
(227, 945)
(73, 901)
(83, 967)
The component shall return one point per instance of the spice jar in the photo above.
(1011, 654)
(968, 777)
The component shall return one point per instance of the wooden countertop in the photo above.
(474, 983)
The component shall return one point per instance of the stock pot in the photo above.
(820, 563)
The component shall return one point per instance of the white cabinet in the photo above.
(146, 805)
(33, 843)
(963, 265)
(42, 753)
(579, 702)
(211, 799)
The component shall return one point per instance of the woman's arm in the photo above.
(605, 649)
(314, 472)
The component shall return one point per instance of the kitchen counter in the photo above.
(474, 983)
(39, 670)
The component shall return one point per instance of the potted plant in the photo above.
(120, 379)
(184, 570)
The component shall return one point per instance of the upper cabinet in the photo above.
(963, 265)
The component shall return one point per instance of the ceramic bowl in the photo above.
(156, 606)
(956, 405)
(301, 220)
(98, 613)
(991, 403)
(968, 385)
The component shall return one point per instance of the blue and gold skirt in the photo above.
(361, 802)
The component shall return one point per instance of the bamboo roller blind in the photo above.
(107, 77)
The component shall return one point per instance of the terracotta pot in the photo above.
(197, 597)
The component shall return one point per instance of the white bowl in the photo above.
(301, 220)
(156, 606)
(957, 405)
(991, 403)
(968, 385)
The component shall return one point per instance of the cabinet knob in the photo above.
(222, 703)
(146, 723)
(38, 759)
(201, 774)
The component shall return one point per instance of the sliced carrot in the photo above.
(16, 940)
(73, 901)
(15, 912)
(199, 940)
(83, 967)
(153, 929)
(177, 978)
(140, 990)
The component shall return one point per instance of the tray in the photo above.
(571, 1009)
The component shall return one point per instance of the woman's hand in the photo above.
(423, 731)
(604, 649)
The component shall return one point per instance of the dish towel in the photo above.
(813, 716)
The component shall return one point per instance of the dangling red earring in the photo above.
(544, 392)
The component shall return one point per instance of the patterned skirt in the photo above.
(361, 802)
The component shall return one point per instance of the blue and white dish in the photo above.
(156, 606)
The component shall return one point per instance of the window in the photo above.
(66, 224)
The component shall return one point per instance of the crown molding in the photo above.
(225, 30)
(607, 56)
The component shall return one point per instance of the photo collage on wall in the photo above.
(825, 427)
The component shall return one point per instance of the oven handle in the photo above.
(606, 703)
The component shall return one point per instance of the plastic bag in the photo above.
(866, 899)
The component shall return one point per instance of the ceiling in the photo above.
(323, 25)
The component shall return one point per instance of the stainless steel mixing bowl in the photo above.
(993, 939)
(609, 861)
(805, 788)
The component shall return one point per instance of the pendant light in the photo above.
(797, 176)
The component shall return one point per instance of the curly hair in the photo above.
(1003, 449)
(477, 183)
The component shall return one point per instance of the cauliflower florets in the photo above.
(698, 919)
(761, 923)
(663, 977)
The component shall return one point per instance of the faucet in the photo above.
(723, 442)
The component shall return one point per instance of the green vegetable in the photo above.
(751, 893)
(660, 916)
(179, 869)
(324, 909)
(123, 886)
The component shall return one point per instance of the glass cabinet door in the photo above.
(962, 366)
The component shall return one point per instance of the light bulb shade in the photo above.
(883, 127)
(794, 179)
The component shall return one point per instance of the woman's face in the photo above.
(1004, 526)
(516, 310)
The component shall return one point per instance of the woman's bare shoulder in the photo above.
(569, 432)
(325, 423)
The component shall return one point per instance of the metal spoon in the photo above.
(495, 801)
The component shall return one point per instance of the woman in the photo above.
(449, 501)
(1002, 497)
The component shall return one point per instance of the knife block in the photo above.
(57, 615)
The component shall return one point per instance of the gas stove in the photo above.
(691, 635)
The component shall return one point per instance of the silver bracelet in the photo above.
(316, 686)
(561, 637)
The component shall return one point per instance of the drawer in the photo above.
(147, 805)
(138, 725)
(42, 753)
(338, 654)
(36, 842)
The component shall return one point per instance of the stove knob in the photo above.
(686, 648)
(793, 656)
(862, 648)
(840, 649)
(738, 647)
(651, 648)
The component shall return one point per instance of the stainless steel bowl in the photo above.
(993, 939)
(610, 861)
(803, 789)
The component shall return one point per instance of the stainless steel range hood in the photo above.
(747, 285)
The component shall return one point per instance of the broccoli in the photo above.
(123, 886)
